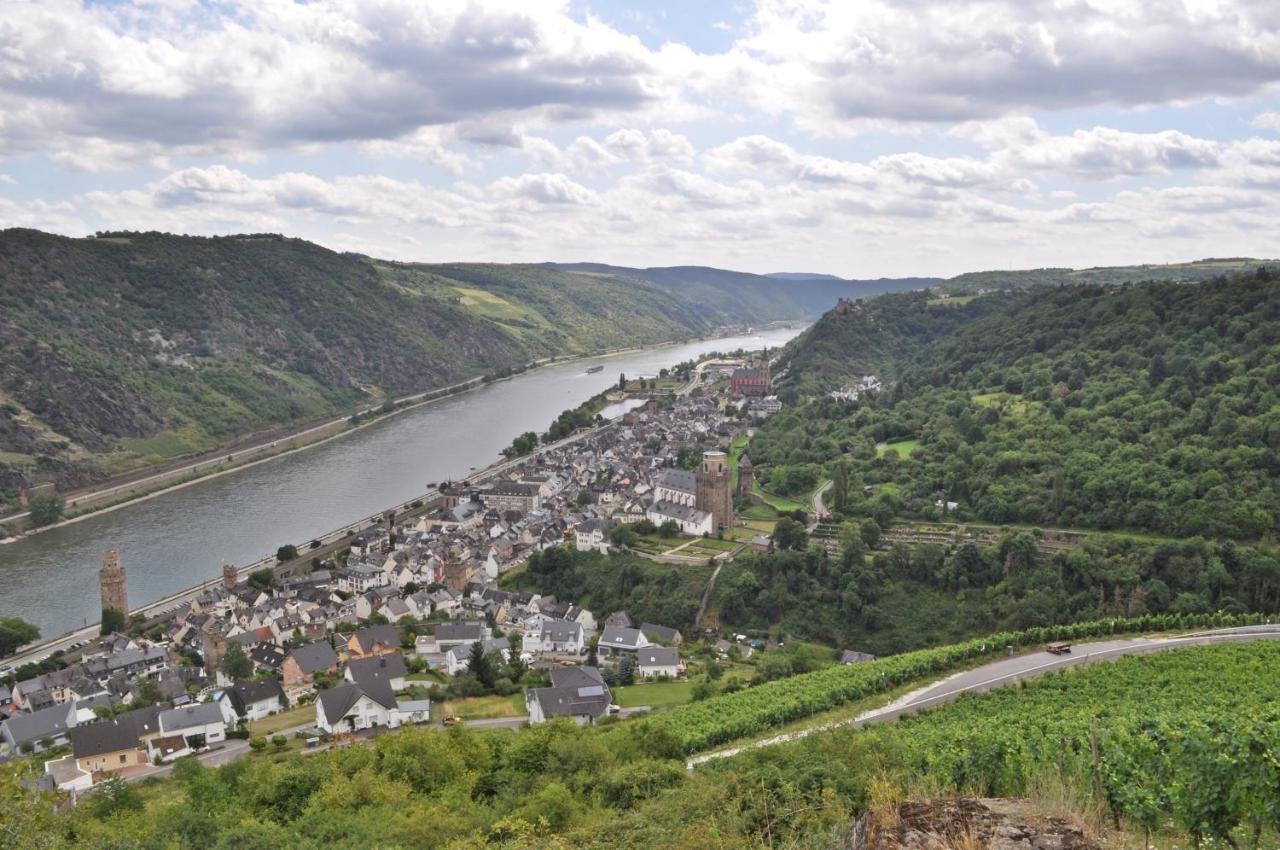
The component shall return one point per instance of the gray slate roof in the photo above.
(315, 657)
(177, 719)
(662, 634)
(620, 638)
(245, 694)
(46, 723)
(657, 656)
(575, 692)
(106, 737)
(390, 665)
(678, 479)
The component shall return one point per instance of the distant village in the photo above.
(353, 636)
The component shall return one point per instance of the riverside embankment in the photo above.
(177, 540)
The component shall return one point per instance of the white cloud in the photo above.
(544, 189)
(250, 75)
(834, 64)
(1267, 121)
(1104, 153)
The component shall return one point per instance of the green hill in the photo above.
(129, 348)
(1198, 270)
(1149, 407)
(743, 296)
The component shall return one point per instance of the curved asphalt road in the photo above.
(1008, 671)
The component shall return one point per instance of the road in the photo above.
(1007, 671)
(84, 497)
(706, 594)
(819, 506)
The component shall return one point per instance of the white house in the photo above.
(348, 708)
(186, 729)
(558, 636)
(656, 662)
(616, 640)
(592, 536)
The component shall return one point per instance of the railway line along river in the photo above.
(181, 538)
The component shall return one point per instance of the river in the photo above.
(181, 538)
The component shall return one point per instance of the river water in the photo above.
(181, 538)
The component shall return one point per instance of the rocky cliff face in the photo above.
(966, 824)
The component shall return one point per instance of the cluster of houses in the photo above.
(441, 567)
(857, 389)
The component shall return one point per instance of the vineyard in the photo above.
(1188, 738)
(703, 725)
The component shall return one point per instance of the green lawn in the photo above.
(903, 448)
(780, 503)
(301, 715)
(481, 708)
(736, 448)
(717, 544)
(656, 694)
(760, 512)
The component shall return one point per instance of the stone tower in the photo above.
(215, 645)
(230, 577)
(111, 581)
(714, 495)
(746, 475)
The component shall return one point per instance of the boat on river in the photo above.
(592, 370)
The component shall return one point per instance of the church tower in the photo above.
(713, 490)
(746, 475)
(230, 576)
(111, 582)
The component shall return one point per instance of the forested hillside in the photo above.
(1152, 407)
(746, 295)
(133, 347)
(1021, 279)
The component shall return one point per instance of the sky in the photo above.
(862, 138)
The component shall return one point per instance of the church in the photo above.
(700, 502)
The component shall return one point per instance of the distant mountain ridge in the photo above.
(802, 296)
(131, 348)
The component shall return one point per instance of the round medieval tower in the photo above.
(112, 583)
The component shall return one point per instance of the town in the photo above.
(354, 643)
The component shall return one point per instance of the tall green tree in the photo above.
(236, 664)
(15, 632)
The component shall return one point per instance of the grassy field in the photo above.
(736, 448)
(1009, 402)
(656, 694)
(903, 448)
(163, 445)
(715, 544)
(760, 512)
(493, 306)
(779, 503)
(482, 708)
(301, 715)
